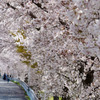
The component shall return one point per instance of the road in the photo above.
(11, 91)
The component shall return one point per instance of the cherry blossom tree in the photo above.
(58, 44)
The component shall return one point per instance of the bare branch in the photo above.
(11, 6)
(32, 16)
(40, 6)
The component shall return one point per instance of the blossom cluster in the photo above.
(63, 38)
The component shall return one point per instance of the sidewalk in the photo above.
(10, 91)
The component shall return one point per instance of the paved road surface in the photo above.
(10, 91)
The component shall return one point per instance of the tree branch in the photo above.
(11, 6)
(40, 6)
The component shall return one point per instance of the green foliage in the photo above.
(51, 98)
(40, 92)
(24, 53)
(60, 98)
(21, 43)
(34, 65)
(39, 72)
(18, 40)
(27, 97)
(26, 62)
(21, 49)
(13, 34)
(16, 83)
(22, 32)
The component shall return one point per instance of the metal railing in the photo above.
(28, 90)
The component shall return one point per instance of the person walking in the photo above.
(8, 78)
(4, 76)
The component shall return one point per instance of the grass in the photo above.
(51, 98)
(27, 97)
(16, 83)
